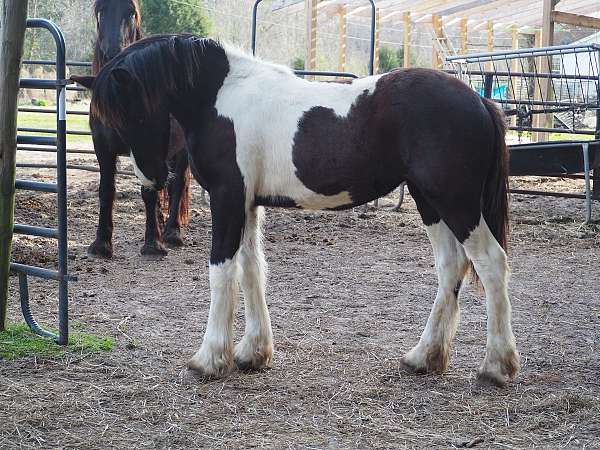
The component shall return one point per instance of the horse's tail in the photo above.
(184, 201)
(495, 192)
(186, 198)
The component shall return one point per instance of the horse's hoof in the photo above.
(209, 368)
(410, 367)
(154, 250)
(249, 358)
(100, 249)
(173, 238)
(491, 379)
(498, 368)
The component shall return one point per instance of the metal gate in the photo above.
(55, 143)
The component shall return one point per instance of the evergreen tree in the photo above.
(174, 16)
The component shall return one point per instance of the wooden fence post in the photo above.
(12, 32)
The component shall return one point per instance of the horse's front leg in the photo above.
(107, 160)
(255, 350)
(178, 201)
(152, 244)
(215, 357)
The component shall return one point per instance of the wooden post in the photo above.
(406, 43)
(514, 67)
(342, 43)
(437, 59)
(377, 41)
(12, 29)
(464, 36)
(311, 28)
(537, 93)
(546, 120)
(490, 42)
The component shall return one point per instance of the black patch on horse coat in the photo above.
(418, 125)
(213, 151)
(335, 154)
(277, 201)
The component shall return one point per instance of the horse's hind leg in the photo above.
(178, 201)
(465, 220)
(432, 353)
(489, 259)
(255, 350)
(152, 244)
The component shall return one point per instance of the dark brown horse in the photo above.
(118, 25)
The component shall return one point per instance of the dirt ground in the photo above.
(349, 293)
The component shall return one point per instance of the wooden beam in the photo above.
(577, 20)
(311, 34)
(490, 42)
(12, 29)
(464, 36)
(377, 40)
(342, 40)
(545, 120)
(514, 66)
(437, 59)
(406, 41)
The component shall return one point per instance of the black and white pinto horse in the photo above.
(260, 136)
(118, 24)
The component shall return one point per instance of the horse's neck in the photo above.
(99, 60)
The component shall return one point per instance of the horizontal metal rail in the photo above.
(533, 52)
(70, 112)
(36, 186)
(37, 140)
(50, 131)
(548, 193)
(554, 76)
(554, 130)
(40, 272)
(30, 230)
(558, 104)
(47, 62)
(41, 84)
(70, 167)
(325, 73)
(81, 151)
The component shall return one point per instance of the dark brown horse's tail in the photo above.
(186, 198)
(184, 202)
(495, 191)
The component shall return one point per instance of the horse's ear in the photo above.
(122, 77)
(87, 82)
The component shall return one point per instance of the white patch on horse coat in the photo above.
(256, 347)
(216, 353)
(138, 173)
(489, 260)
(432, 351)
(265, 102)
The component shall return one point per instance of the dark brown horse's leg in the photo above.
(179, 195)
(402, 188)
(102, 245)
(152, 244)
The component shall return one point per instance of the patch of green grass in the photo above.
(18, 342)
(48, 121)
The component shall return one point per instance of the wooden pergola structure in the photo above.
(516, 16)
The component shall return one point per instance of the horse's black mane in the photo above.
(155, 64)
